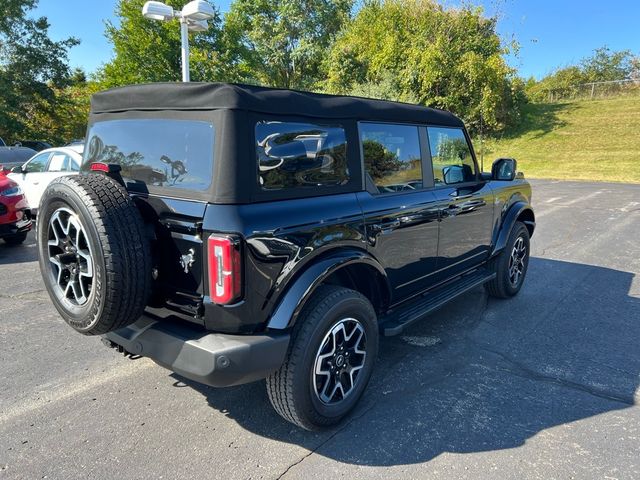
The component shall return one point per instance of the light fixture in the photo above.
(197, 25)
(198, 10)
(157, 11)
(194, 17)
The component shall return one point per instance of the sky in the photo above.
(551, 33)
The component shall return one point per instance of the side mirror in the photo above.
(17, 169)
(504, 169)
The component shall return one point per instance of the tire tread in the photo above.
(125, 248)
(280, 384)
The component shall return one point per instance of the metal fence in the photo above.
(595, 90)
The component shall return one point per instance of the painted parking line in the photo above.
(72, 389)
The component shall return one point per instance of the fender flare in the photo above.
(291, 302)
(509, 219)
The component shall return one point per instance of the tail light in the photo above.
(99, 167)
(225, 269)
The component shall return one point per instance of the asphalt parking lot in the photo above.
(545, 385)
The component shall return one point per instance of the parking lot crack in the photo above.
(327, 440)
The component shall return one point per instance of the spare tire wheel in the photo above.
(94, 253)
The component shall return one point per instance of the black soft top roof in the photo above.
(213, 96)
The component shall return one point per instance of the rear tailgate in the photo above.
(178, 254)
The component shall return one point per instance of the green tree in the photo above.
(283, 43)
(605, 65)
(417, 50)
(149, 51)
(65, 118)
(563, 82)
(33, 69)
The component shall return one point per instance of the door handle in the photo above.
(460, 197)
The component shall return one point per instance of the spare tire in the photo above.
(94, 252)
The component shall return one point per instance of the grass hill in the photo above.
(580, 140)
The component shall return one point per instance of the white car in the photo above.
(39, 170)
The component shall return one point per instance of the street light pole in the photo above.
(193, 17)
(184, 37)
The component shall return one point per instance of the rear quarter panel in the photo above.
(280, 239)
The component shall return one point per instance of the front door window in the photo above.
(452, 160)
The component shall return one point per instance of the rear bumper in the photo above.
(215, 359)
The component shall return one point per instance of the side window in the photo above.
(392, 156)
(38, 163)
(294, 155)
(74, 166)
(59, 163)
(452, 160)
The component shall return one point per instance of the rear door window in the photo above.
(155, 152)
(300, 155)
(392, 156)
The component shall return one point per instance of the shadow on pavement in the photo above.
(26, 252)
(481, 374)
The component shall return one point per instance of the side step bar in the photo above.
(394, 322)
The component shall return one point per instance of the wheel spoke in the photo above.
(517, 261)
(339, 360)
(70, 256)
(77, 291)
(58, 266)
(338, 386)
(357, 347)
(86, 269)
(354, 372)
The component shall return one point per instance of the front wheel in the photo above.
(333, 349)
(510, 266)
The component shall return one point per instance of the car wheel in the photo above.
(333, 348)
(16, 238)
(510, 266)
(94, 253)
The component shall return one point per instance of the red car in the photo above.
(14, 221)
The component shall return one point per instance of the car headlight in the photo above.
(11, 191)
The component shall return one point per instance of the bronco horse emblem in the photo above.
(187, 260)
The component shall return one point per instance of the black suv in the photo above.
(233, 233)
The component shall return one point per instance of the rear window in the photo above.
(155, 152)
(300, 155)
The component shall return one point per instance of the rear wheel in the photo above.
(510, 266)
(94, 253)
(331, 356)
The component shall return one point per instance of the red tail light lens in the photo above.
(99, 167)
(225, 270)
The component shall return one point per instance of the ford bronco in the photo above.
(235, 233)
